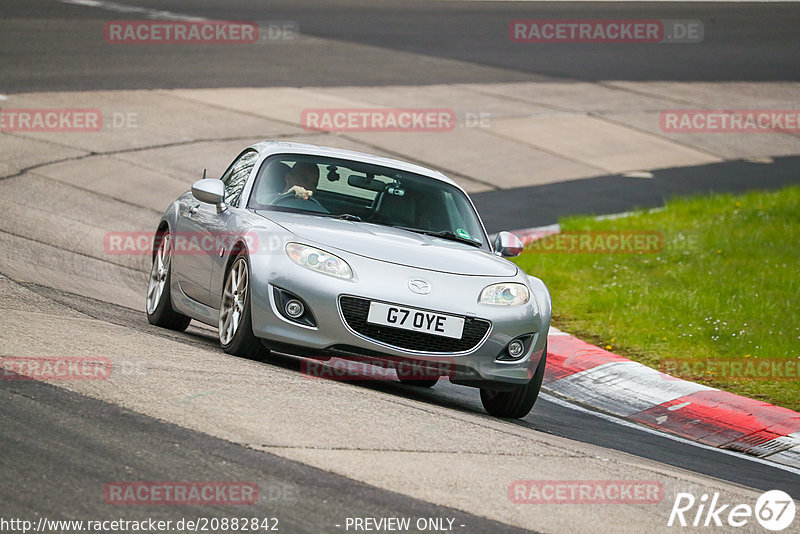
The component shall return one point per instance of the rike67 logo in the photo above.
(774, 510)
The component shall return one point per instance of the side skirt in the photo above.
(192, 308)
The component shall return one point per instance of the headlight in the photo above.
(318, 260)
(505, 294)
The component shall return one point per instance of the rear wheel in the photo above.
(159, 303)
(518, 402)
(235, 322)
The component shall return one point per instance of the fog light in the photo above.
(515, 348)
(294, 308)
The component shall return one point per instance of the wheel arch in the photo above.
(238, 247)
(163, 228)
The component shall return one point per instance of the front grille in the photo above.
(355, 312)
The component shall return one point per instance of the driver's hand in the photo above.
(300, 192)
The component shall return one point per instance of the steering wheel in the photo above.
(292, 201)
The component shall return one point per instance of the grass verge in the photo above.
(717, 302)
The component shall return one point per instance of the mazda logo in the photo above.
(419, 286)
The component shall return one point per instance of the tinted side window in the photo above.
(236, 176)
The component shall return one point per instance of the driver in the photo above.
(302, 179)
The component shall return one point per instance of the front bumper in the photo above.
(334, 334)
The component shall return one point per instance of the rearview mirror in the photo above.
(210, 191)
(508, 245)
(365, 182)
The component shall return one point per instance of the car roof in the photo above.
(267, 148)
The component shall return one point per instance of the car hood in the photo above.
(393, 245)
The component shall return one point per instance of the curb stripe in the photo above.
(613, 384)
(623, 388)
(788, 457)
(567, 355)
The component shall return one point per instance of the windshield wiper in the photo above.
(285, 209)
(445, 234)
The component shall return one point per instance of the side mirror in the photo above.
(508, 245)
(210, 191)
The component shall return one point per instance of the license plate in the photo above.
(416, 320)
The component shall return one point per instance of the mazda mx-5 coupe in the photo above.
(326, 253)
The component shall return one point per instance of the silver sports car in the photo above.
(327, 253)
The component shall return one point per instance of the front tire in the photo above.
(159, 302)
(516, 403)
(235, 322)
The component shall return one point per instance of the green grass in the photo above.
(725, 287)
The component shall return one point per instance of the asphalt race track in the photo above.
(604, 195)
(745, 42)
(324, 451)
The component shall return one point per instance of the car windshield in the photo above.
(366, 193)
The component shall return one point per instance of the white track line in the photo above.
(156, 14)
